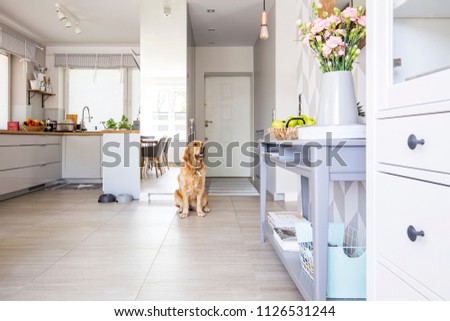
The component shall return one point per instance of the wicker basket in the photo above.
(32, 128)
(285, 133)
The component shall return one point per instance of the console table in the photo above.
(317, 163)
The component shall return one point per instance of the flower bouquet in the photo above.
(336, 38)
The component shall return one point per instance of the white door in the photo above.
(228, 126)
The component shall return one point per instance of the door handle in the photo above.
(208, 122)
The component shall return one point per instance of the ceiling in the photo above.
(116, 22)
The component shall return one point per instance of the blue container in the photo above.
(346, 272)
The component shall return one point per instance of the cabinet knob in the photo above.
(413, 141)
(413, 234)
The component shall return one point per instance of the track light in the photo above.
(77, 29)
(264, 34)
(67, 18)
(167, 12)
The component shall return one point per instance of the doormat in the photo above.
(77, 187)
(235, 186)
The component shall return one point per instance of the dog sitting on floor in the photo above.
(191, 180)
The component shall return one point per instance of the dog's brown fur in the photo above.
(191, 180)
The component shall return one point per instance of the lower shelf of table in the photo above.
(291, 261)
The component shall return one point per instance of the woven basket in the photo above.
(285, 133)
(32, 128)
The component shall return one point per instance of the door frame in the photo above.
(200, 116)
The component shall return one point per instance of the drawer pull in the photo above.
(413, 234)
(413, 141)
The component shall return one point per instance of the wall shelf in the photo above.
(44, 95)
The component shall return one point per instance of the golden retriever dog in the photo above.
(191, 180)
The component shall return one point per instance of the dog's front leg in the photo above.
(185, 211)
(200, 206)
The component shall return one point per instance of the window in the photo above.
(108, 94)
(169, 112)
(4, 91)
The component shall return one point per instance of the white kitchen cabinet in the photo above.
(408, 182)
(28, 161)
(82, 157)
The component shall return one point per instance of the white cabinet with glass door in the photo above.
(409, 176)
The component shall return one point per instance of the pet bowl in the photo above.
(124, 198)
(106, 198)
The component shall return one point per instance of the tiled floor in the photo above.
(64, 245)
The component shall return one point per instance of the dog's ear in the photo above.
(187, 154)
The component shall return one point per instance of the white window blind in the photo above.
(94, 61)
(15, 44)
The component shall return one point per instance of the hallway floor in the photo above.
(64, 245)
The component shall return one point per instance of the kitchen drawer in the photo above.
(17, 140)
(404, 202)
(389, 287)
(392, 142)
(24, 156)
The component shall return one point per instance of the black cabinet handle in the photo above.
(413, 234)
(413, 141)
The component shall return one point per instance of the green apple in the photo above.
(291, 123)
(310, 122)
(277, 124)
(302, 120)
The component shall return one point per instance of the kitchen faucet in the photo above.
(83, 128)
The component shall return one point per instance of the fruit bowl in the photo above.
(284, 133)
(26, 128)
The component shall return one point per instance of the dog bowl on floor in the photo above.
(124, 198)
(106, 198)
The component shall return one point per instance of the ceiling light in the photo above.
(211, 10)
(264, 33)
(77, 29)
(67, 18)
(167, 12)
(61, 15)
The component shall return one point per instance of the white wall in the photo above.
(217, 60)
(276, 85)
(163, 51)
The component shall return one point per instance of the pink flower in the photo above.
(326, 50)
(341, 51)
(319, 25)
(307, 39)
(334, 19)
(340, 32)
(327, 34)
(333, 42)
(351, 13)
(362, 21)
(318, 38)
(358, 51)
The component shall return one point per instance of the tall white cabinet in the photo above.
(408, 177)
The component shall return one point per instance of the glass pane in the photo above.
(169, 112)
(100, 90)
(421, 33)
(4, 91)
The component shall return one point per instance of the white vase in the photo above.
(337, 101)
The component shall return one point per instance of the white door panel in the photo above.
(227, 125)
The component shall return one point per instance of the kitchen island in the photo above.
(33, 160)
